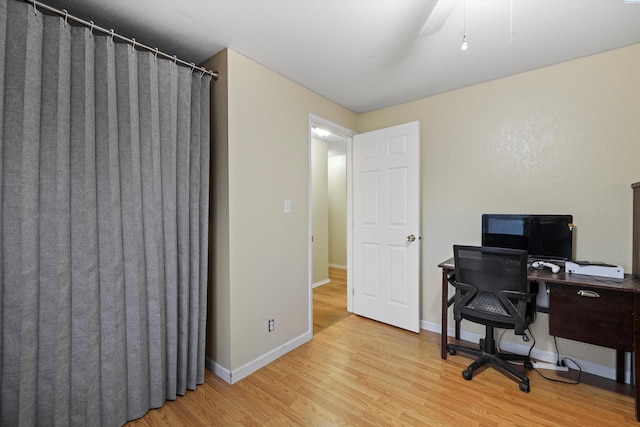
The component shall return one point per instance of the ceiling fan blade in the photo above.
(437, 17)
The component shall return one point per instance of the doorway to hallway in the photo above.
(330, 300)
(329, 232)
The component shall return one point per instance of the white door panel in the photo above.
(386, 203)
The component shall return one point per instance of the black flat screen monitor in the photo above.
(545, 237)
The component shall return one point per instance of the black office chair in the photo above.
(492, 289)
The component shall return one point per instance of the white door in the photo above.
(386, 222)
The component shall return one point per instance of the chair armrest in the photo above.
(517, 295)
(518, 313)
(464, 293)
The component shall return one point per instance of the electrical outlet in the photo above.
(271, 325)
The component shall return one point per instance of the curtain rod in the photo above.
(134, 43)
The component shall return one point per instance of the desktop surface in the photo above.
(628, 284)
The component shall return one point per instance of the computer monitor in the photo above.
(544, 237)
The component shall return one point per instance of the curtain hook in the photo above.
(133, 45)
(175, 61)
(193, 66)
(111, 33)
(91, 28)
(66, 17)
(156, 53)
(202, 71)
(35, 10)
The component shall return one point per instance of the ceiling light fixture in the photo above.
(465, 45)
(321, 132)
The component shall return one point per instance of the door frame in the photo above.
(314, 120)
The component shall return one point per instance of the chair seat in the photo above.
(486, 308)
(486, 301)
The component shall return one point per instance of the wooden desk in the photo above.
(605, 317)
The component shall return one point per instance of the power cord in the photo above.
(556, 380)
(555, 342)
(532, 345)
(562, 363)
(525, 338)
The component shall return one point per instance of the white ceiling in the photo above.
(368, 54)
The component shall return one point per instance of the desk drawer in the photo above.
(606, 320)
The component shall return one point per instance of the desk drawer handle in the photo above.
(589, 294)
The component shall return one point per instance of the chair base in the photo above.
(487, 354)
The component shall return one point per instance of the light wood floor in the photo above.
(363, 373)
(330, 300)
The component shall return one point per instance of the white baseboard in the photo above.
(230, 377)
(217, 369)
(259, 362)
(320, 283)
(541, 355)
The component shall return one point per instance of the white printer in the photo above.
(594, 268)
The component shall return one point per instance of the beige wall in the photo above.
(218, 346)
(320, 212)
(561, 139)
(261, 271)
(337, 185)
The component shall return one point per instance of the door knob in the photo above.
(411, 238)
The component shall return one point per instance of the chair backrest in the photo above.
(482, 275)
(491, 269)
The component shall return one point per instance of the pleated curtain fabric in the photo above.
(104, 223)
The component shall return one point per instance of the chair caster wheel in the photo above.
(528, 365)
(452, 351)
(524, 387)
(467, 374)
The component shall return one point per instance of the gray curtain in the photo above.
(103, 224)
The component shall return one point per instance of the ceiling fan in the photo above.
(438, 16)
